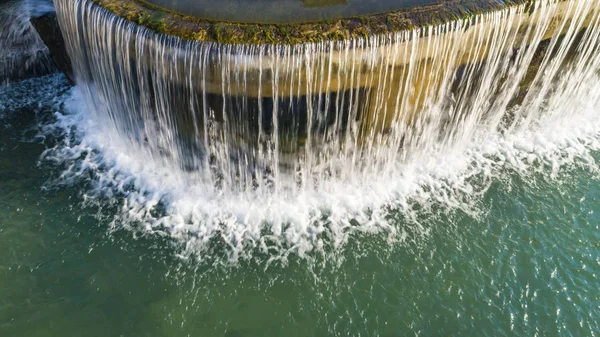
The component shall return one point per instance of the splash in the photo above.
(293, 149)
(47, 91)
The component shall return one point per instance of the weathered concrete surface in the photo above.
(49, 31)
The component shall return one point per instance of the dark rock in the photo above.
(23, 54)
(49, 30)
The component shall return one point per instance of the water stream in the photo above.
(433, 182)
(291, 146)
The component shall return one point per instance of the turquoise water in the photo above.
(521, 258)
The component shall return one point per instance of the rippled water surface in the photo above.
(284, 11)
(522, 259)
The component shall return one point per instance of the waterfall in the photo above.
(267, 122)
(23, 53)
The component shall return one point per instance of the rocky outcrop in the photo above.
(22, 54)
(49, 31)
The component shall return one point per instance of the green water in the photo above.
(526, 264)
(284, 11)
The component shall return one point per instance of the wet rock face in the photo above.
(22, 53)
(49, 31)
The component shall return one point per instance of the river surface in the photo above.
(519, 257)
(284, 11)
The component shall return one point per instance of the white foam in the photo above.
(319, 218)
(468, 130)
